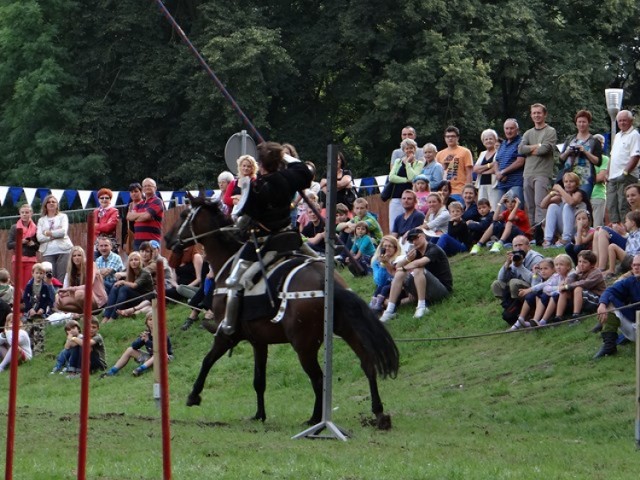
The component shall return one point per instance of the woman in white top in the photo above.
(55, 244)
(437, 220)
(25, 352)
(485, 168)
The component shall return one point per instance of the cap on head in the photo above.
(414, 233)
(420, 178)
(155, 244)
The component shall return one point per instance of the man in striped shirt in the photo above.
(147, 215)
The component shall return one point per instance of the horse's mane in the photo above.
(213, 206)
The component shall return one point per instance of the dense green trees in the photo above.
(102, 92)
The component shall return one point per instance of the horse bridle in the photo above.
(195, 237)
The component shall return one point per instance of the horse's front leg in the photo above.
(260, 353)
(221, 345)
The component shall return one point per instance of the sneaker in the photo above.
(54, 371)
(387, 315)
(421, 312)
(475, 249)
(496, 248)
(514, 327)
(137, 372)
(187, 324)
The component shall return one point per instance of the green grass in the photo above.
(527, 405)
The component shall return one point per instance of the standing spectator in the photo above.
(599, 193)
(410, 219)
(582, 153)
(106, 219)
(247, 167)
(426, 269)
(401, 176)
(537, 146)
(485, 167)
(135, 195)
(456, 161)
(344, 185)
(421, 187)
(108, 263)
(510, 164)
(619, 295)
(410, 133)
(147, 215)
(622, 170)
(55, 245)
(432, 169)
(224, 180)
(29, 243)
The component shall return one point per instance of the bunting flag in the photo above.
(15, 193)
(85, 195)
(57, 194)
(114, 199)
(30, 194)
(357, 182)
(3, 194)
(381, 180)
(194, 193)
(166, 197)
(125, 197)
(42, 194)
(179, 197)
(70, 195)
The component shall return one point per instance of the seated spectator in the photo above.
(410, 219)
(561, 204)
(437, 219)
(534, 298)
(432, 169)
(517, 271)
(303, 211)
(97, 356)
(186, 270)
(6, 295)
(106, 219)
(38, 297)
(506, 225)
(342, 215)
(631, 249)
(70, 297)
(344, 185)
(145, 358)
(361, 213)
(445, 193)
(457, 239)
(201, 299)
(383, 267)
(469, 197)
(24, 344)
(583, 288)
(362, 250)
(72, 331)
(555, 310)
(314, 231)
(426, 272)
(108, 263)
(584, 235)
(624, 296)
(150, 254)
(49, 279)
(421, 187)
(132, 289)
(311, 194)
(479, 225)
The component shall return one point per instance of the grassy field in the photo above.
(526, 405)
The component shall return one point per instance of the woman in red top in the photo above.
(106, 218)
(29, 242)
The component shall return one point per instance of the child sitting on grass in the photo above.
(98, 356)
(24, 344)
(383, 266)
(543, 271)
(362, 250)
(584, 235)
(38, 297)
(632, 248)
(6, 295)
(144, 359)
(478, 225)
(457, 239)
(72, 329)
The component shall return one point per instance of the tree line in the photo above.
(103, 92)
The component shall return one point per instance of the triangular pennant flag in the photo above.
(357, 182)
(114, 199)
(208, 193)
(216, 194)
(166, 197)
(42, 194)
(194, 193)
(180, 197)
(125, 197)
(94, 194)
(3, 194)
(30, 194)
(57, 194)
(70, 195)
(85, 195)
(381, 180)
(15, 193)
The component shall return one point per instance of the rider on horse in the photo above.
(264, 210)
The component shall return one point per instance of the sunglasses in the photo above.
(105, 198)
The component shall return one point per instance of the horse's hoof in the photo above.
(383, 422)
(193, 400)
(259, 417)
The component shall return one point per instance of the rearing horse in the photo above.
(302, 323)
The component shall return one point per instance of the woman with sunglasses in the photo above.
(53, 235)
(106, 219)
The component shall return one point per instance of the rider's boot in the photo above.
(228, 324)
(233, 280)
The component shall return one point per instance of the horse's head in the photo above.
(203, 218)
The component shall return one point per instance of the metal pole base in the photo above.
(333, 431)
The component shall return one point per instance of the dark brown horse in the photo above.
(302, 324)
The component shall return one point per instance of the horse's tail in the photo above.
(352, 313)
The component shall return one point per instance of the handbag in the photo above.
(387, 191)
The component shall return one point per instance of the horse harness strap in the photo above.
(286, 295)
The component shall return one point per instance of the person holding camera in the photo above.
(30, 243)
(582, 153)
(517, 270)
(424, 272)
